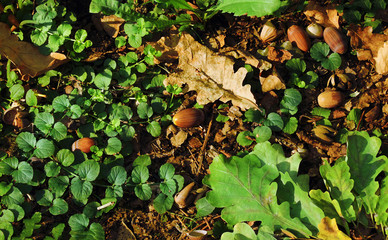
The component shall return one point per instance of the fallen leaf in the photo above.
(326, 16)
(178, 139)
(26, 56)
(271, 82)
(210, 74)
(382, 59)
(110, 24)
(328, 230)
(278, 55)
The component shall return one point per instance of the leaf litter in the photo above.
(27, 58)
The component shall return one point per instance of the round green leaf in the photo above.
(117, 175)
(81, 189)
(114, 192)
(141, 67)
(76, 111)
(58, 185)
(7, 216)
(44, 148)
(14, 196)
(144, 110)
(244, 138)
(44, 197)
(262, 133)
(26, 141)
(319, 51)
(142, 160)
(8, 165)
(90, 210)
(52, 169)
(290, 125)
(168, 187)
(59, 207)
(163, 203)
(154, 129)
(18, 212)
(17, 92)
(143, 191)
(66, 157)
(59, 132)
(166, 171)
(140, 174)
(292, 98)
(296, 65)
(274, 121)
(4, 188)
(333, 62)
(96, 231)
(78, 222)
(31, 98)
(114, 146)
(44, 121)
(103, 80)
(24, 173)
(88, 170)
(61, 103)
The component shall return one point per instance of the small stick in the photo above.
(105, 206)
(201, 153)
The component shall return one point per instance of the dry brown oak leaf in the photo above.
(377, 44)
(26, 56)
(326, 16)
(210, 75)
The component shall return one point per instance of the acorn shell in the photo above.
(299, 36)
(335, 39)
(314, 30)
(189, 117)
(83, 144)
(330, 99)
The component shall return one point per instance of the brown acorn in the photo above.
(83, 144)
(299, 36)
(335, 39)
(189, 117)
(330, 99)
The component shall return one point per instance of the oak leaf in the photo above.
(365, 40)
(26, 56)
(328, 230)
(210, 74)
(326, 16)
(382, 59)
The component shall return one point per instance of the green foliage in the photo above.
(298, 77)
(320, 51)
(256, 8)
(265, 186)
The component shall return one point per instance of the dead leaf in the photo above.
(178, 139)
(382, 59)
(326, 16)
(271, 82)
(278, 55)
(26, 56)
(364, 38)
(328, 230)
(110, 24)
(125, 233)
(210, 74)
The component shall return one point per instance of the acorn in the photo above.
(189, 117)
(314, 30)
(299, 36)
(268, 32)
(83, 144)
(330, 98)
(335, 40)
